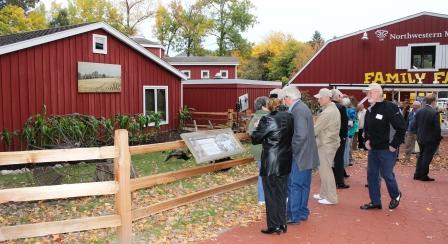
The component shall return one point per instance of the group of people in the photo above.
(288, 143)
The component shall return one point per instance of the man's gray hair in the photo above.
(292, 92)
(260, 102)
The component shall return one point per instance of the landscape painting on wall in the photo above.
(96, 77)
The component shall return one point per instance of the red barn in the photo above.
(44, 68)
(154, 47)
(408, 56)
(205, 67)
(219, 95)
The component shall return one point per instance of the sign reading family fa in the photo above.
(383, 34)
(403, 78)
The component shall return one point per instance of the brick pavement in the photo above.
(422, 216)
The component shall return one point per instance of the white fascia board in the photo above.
(153, 46)
(230, 81)
(361, 32)
(202, 63)
(311, 84)
(82, 29)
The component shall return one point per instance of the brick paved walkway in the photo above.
(422, 216)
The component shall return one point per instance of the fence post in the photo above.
(230, 117)
(122, 169)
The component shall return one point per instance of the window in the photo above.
(156, 100)
(224, 74)
(205, 74)
(99, 44)
(423, 57)
(186, 73)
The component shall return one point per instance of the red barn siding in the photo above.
(346, 60)
(156, 51)
(219, 98)
(195, 70)
(47, 74)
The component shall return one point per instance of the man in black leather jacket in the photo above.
(274, 132)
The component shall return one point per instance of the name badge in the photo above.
(379, 116)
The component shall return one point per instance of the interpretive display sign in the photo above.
(212, 144)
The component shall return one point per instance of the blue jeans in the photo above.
(260, 185)
(299, 183)
(381, 162)
(348, 151)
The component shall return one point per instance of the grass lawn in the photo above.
(200, 220)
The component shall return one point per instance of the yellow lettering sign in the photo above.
(438, 77)
(392, 77)
(379, 78)
(368, 76)
(420, 77)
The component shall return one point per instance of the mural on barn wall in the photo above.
(98, 77)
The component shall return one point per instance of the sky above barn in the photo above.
(330, 17)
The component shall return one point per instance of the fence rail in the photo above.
(121, 187)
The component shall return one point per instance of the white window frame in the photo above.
(436, 44)
(227, 73)
(155, 88)
(208, 74)
(186, 71)
(94, 49)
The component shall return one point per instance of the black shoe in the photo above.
(342, 186)
(284, 228)
(290, 222)
(272, 230)
(395, 202)
(366, 185)
(368, 206)
(346, 175)
(416, 178)
(427, 178)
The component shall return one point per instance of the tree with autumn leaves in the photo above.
(276, 58)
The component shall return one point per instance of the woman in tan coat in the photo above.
(326, 129)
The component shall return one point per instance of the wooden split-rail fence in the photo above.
(121, 187)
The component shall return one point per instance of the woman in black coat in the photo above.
(274, 132)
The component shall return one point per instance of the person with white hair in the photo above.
(261, 109)
(304, 156)
(327, 127)
(411, 132)
(338, 166)
(384, 131)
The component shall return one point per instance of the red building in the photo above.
(408, 56)
(219, 95)
(154, 47)
(206, 67)
(49, 67)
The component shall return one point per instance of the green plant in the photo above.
(184, 116)
(7, 137)
(123, 121)
(156, 118)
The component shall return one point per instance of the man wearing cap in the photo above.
(338, 167)
(384, 131)
(304, 156)
(327, 127)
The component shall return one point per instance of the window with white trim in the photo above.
(224, 73)
(99, 44)
(422, 57)
(155, 99)
(205, 74)
(187, 73)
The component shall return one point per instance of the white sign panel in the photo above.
(244, 102)
(212, 144)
